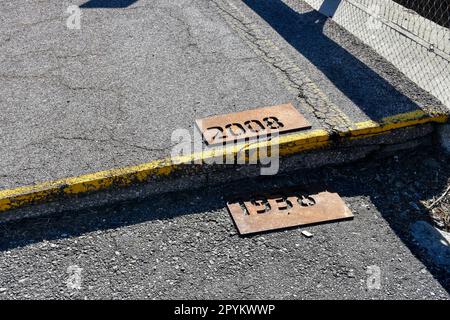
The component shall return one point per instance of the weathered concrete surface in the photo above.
(110, 94)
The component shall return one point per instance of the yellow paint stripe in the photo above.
(120, 177)
(288, 145)
(368, 128)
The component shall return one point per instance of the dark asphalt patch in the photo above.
(184, 245)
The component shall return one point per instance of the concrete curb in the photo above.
(165, 169)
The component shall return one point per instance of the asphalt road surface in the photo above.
(110, 94)
(185, 245)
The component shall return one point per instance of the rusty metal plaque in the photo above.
(286, 209)
(251, 123)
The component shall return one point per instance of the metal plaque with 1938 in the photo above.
(288, 208)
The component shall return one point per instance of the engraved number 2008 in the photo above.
(252, 126)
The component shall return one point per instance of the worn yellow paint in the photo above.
(288, 145)
(369, 128)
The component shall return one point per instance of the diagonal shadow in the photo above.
(91, 4)
(370, 92)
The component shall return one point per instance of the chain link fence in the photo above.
(413, 35)
(437, 11)
(425, 22)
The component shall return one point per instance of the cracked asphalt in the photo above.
(185, 245)
(111, 94)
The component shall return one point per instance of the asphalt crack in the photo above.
(308, 93)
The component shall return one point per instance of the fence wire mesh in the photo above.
(437, 11)
(413, 35)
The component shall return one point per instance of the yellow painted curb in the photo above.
(370, 128)
(288, 145)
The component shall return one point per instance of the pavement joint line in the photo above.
(289, 144)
